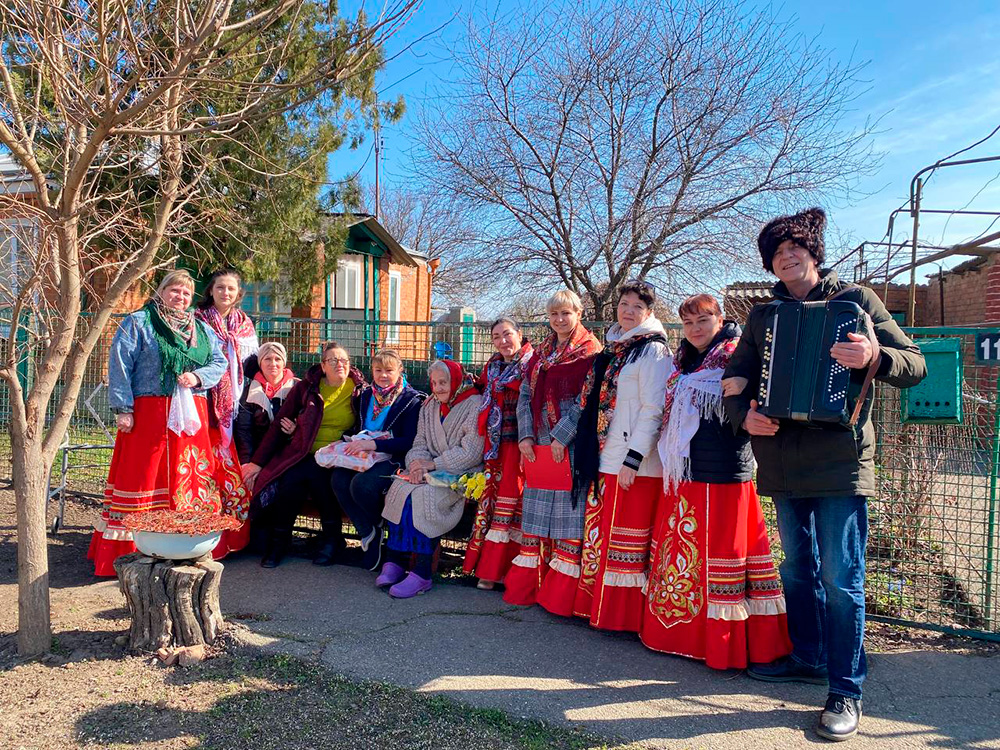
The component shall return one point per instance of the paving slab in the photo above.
(470, 645)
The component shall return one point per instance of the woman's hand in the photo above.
(125, 422)
(250, 472)
(422, 463)
(416, 475)
(558, 451)
(733, 386)
(357, 447)
(188, 380)
(287, 425)
(626, 477)
(527, 448)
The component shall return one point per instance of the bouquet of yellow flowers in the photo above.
(470, 486)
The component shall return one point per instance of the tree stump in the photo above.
(172, 603)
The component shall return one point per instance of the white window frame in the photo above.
(347, 296)
(253, 292)
(12, 231)
(392, 311)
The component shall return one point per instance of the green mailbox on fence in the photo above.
(938, 398)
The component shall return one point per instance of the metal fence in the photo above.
(933, 539)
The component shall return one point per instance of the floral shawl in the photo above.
(501, 380)
(231, 329)
(574, 360)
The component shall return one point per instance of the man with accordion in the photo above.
(798, 383)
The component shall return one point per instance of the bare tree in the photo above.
(596, 144)
(116, 113)
(436, 226)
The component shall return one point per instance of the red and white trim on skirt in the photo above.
(713, 591)
(496, 530)
(152, 468)
(618, 528)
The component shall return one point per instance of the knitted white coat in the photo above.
(456, 447)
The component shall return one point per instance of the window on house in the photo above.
(347, 284)
(263, 304)
(395, 289)
(18, 238)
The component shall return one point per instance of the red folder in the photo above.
(545, 474)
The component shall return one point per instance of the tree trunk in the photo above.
(172, 603)
(34, 628)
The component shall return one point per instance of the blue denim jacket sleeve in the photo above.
(121, 364)
(212, 373)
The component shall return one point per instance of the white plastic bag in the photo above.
(183, 418)
(335, 455)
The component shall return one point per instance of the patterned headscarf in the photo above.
(235, 326)
(501, 376)
(460, 384)
(574, 358)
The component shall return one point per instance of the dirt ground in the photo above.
(89, 693)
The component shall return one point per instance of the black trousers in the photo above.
(306, 480)
(362, 493)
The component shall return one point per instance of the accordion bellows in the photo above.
(799, 380)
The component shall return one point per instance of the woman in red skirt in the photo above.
(496, 531)
(713, 592)
(157, 464)
(616, 454)
(219, 310)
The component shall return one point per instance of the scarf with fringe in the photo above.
(558, 372)
(231, 329)
(181, 347)
(690, 398)
(499, 377)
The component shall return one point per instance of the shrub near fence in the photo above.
(933, 538)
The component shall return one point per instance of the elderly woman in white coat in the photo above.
(448, 441)
(622, 406)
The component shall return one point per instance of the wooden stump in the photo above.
(172, 603)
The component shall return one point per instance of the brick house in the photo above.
(377, 281)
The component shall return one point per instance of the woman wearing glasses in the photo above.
(622, 404)
(318, 411)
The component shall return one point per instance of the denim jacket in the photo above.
(134, 363)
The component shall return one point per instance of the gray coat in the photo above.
(456, 447)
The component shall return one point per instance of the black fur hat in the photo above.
(804, 229)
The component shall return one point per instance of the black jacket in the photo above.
(401, 421)
(252, 422)
(805, 461)
(718, 454)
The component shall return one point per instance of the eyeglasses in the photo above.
(336, 361)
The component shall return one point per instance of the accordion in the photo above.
(799, 380)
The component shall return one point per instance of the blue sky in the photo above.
(934, 76)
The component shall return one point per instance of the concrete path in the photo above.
(469, 645)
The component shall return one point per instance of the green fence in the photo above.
(933, 542)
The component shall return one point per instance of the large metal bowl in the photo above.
(175, 546)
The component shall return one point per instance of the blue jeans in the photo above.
(824, 578)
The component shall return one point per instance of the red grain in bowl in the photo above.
(191, 522)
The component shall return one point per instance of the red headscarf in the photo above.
(461, 387)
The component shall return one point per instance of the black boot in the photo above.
(272, 556)
(328, 554)
(839, 720)
(787, 669)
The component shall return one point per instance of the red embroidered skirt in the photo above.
(233, 493)
(617, 531)
(713, 591)
(152, 469)
(496, 531)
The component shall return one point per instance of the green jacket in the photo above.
(805, 461)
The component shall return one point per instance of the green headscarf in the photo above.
(178, 354)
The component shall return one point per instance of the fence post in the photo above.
(992, 523)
